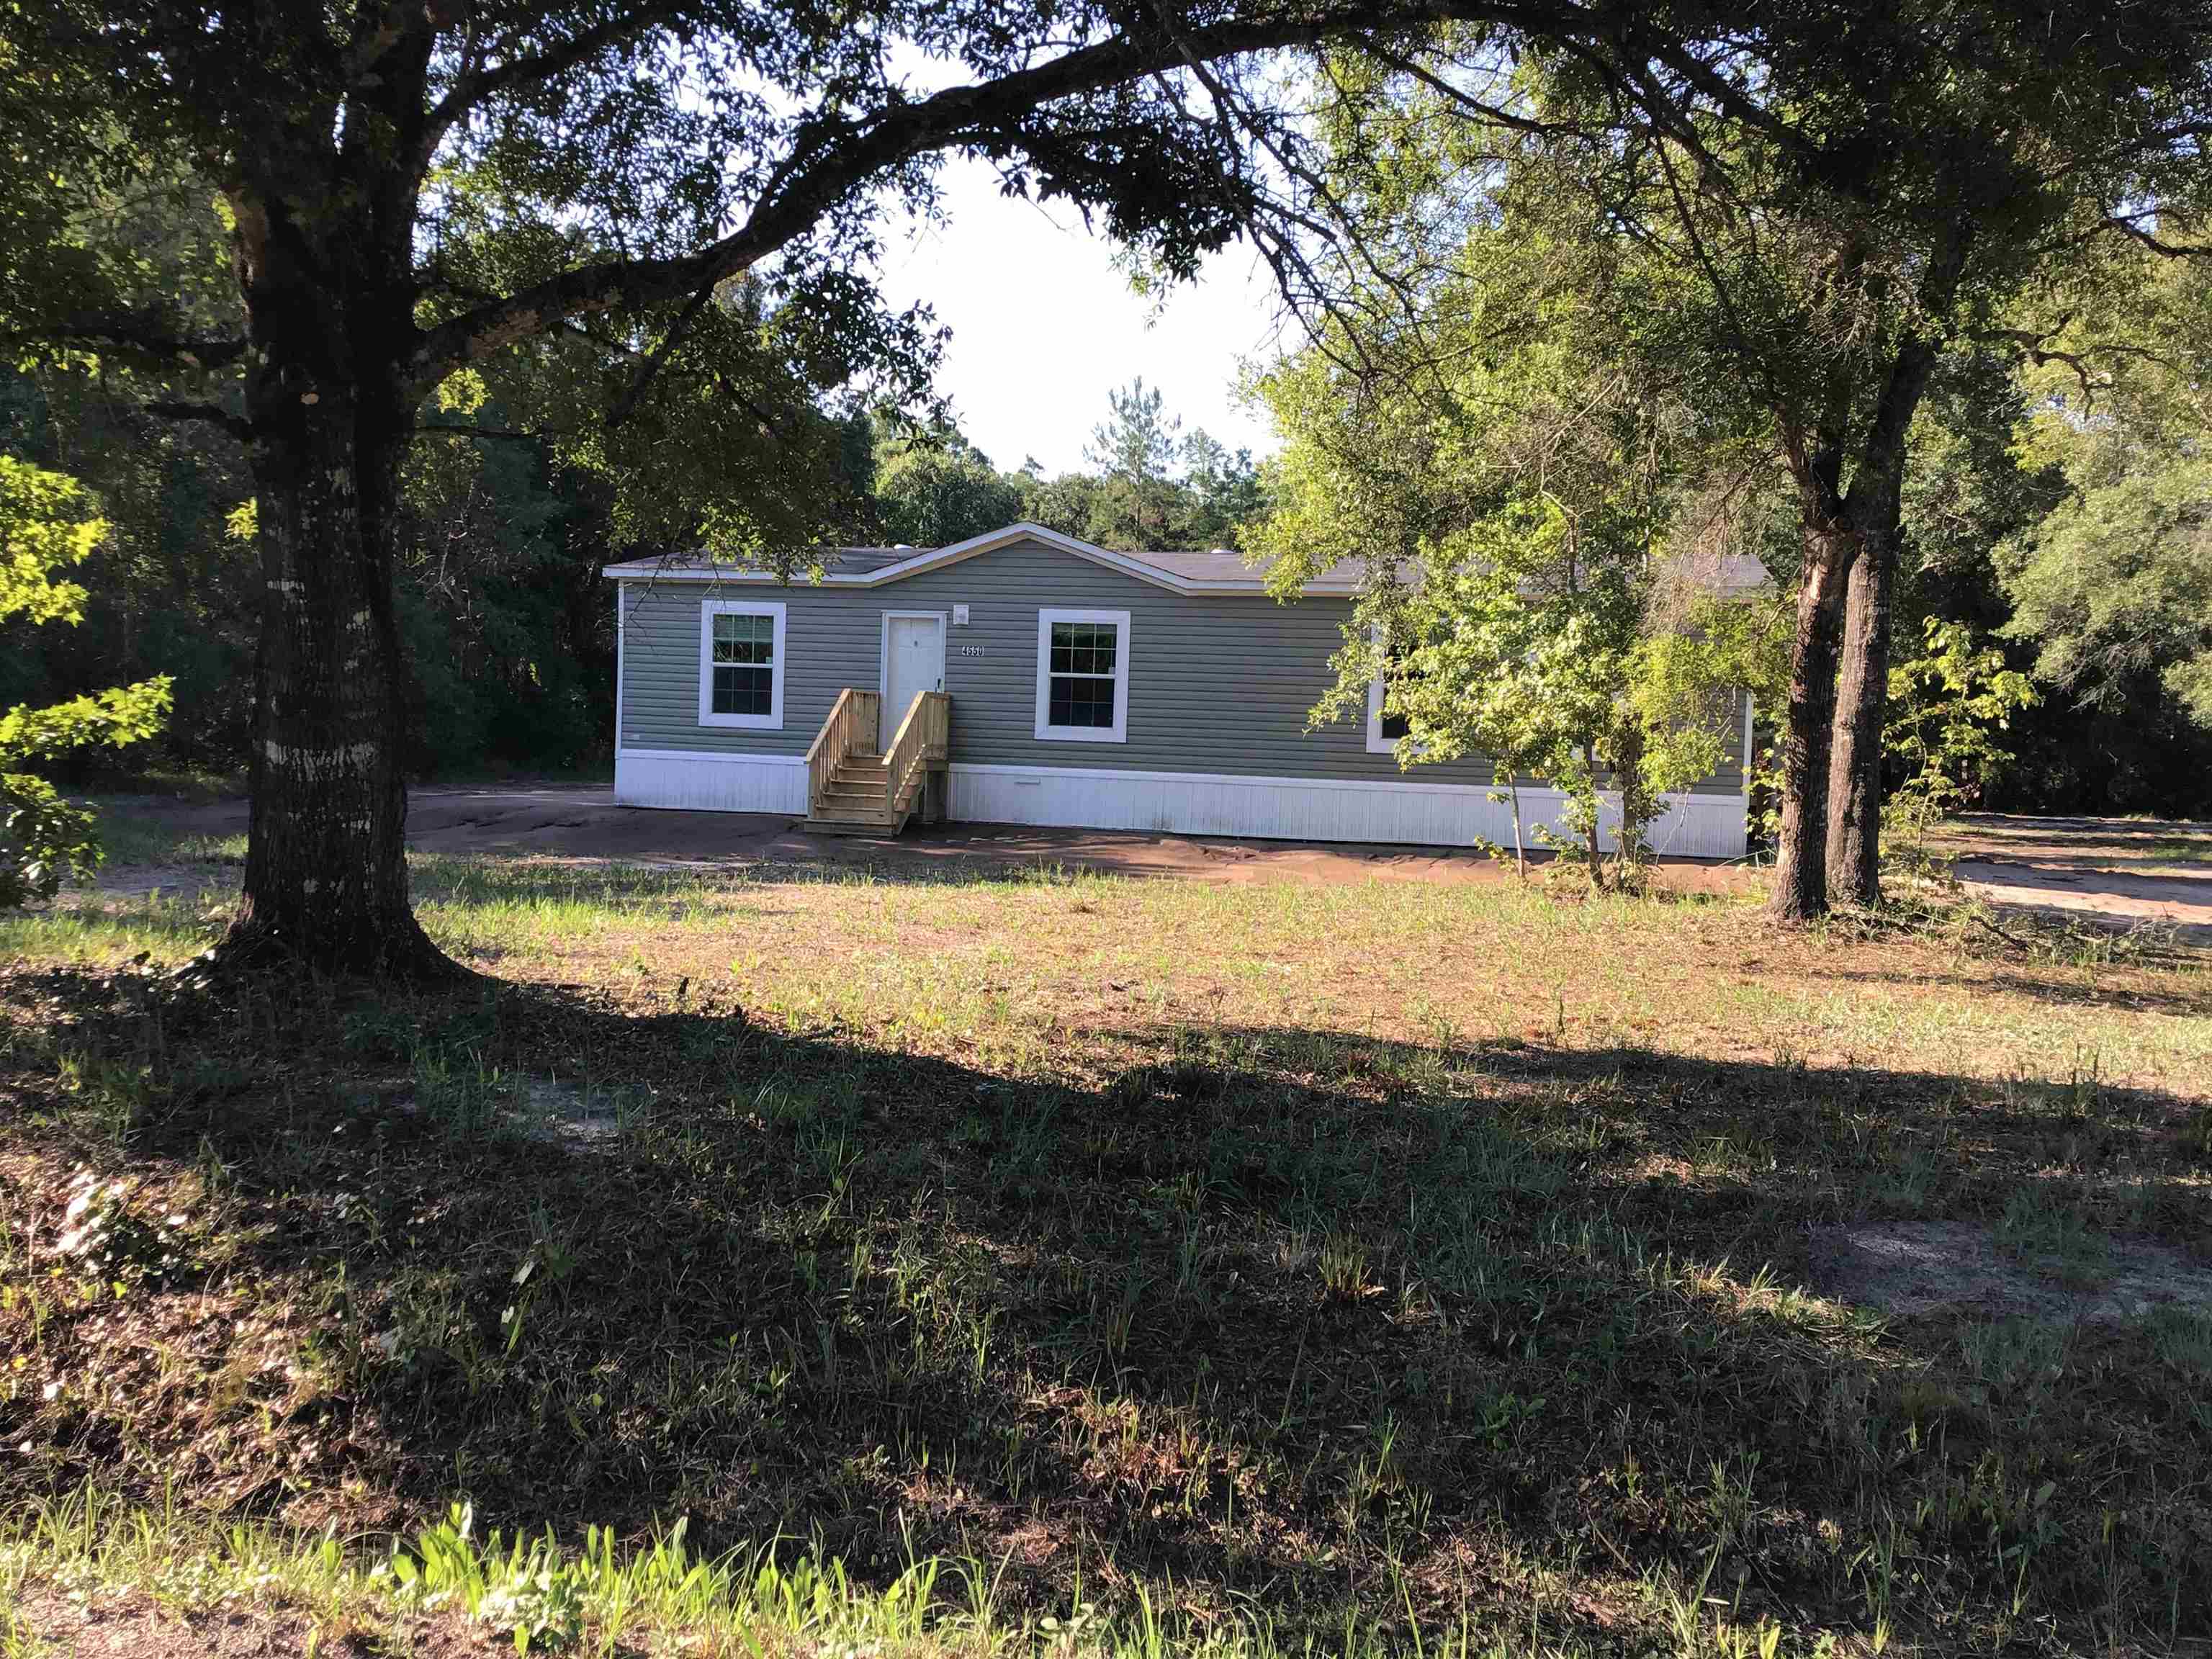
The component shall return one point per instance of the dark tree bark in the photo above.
(324, 246)
(1800, 888)
(1855, 785)
(326, 872)
(1875, 512)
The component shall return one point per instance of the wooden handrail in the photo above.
(836, 713)
(924, 735)
(854, 712)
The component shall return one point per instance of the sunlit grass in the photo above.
(130, 835)
(166, 930)
(1033, 955)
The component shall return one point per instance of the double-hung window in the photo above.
(1083, 676)
(1384, 730)
(741, 664)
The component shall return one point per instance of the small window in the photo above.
(1384, 731)
(1083, 676)
(740, 663)
(744, 664)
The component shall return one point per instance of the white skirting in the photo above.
(1180, 803)
(1309, 808)
(700, 781)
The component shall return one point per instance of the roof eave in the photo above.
(1167, 579)
(1005, 535)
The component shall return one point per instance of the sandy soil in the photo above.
(2118, 872)
(584, 824)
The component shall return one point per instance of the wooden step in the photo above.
(838, 812)
(852, 803)
(883, 827)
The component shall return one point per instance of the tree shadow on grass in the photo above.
(2171, 998)
(1266, 1318)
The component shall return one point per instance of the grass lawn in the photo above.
(1056, 1263)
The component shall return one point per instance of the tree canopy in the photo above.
(1830, 201)
(2113, 586)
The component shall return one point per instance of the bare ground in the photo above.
(1959, 1268)
(133, 1626)
(2119, 873)
(2114, 873)
(583, 825)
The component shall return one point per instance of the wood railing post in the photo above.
(854, 712)
(923, 736)
(919, 747)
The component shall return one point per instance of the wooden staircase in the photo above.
(852, 790)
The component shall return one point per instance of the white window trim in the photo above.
(1118, 732)
(710, 609)
(1377, 743)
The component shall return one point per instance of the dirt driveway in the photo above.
(582, 823)
(2116, 872)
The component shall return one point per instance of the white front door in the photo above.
(914, 662)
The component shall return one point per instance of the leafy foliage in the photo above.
(45, 527)
(2113, 587)
(1150, 484)
(1520, 477)
(2118, 583)
(1947, 707)
(938, 489)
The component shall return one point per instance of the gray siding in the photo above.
(1220, 685)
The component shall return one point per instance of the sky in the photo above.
(1043, 325)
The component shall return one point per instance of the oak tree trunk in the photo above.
(1801, 889)
(326, 867)
(1862, 701)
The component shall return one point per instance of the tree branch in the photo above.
(175, 409)
(473, 86)
(123, 333)
(2127, 225)
(463, 429)
(2035, 346)
(634, 394)
(849, 153)
(1461, 98)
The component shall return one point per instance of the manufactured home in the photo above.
(1027, 677)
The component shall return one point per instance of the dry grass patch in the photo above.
(1350, 1267)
